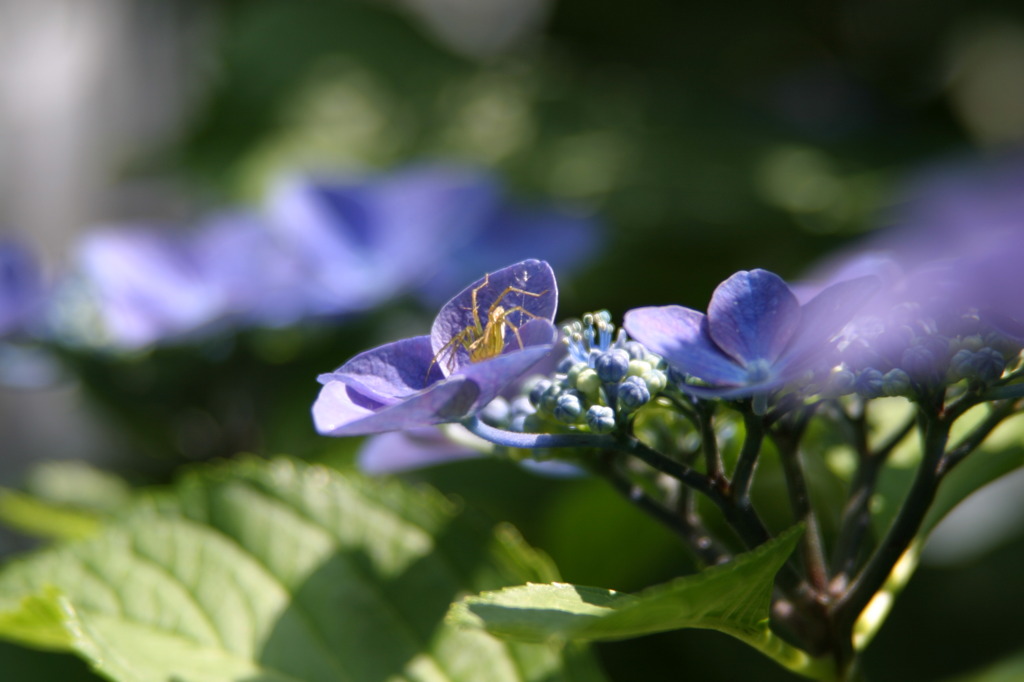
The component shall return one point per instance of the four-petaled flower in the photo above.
(756, 336)
(483, 339)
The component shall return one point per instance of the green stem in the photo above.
(743, 474)
(693, 534)
(856, 517)
(709, 444)
(977, 435)
(904, 528)
(790, 657)
(800, 502)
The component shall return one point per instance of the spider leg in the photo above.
(515, 328)
(448, 350)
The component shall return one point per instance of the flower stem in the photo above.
(743, 474)
(800, 503)
(709, 443)
(856, 517)
(904, 528)
(693, 534)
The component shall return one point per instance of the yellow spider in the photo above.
(484, 341)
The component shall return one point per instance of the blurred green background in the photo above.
(709, 137)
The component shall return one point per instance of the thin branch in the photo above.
(856, 517)
(694, 535)
(904, 528)
(709, 445)
(743, 474)
(977, 436)
(800, 502)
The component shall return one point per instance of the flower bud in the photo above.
(841, 381)
(538, 391)
(989, 364)
(601, 419)
(588, 381)
(568, 407)
(896, 382)
(638, 368)
(918, 362)
(636, 350)
(656, 381)
(611, 366)
(633, 393)
(870, 383)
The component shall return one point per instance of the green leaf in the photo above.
(34, 516)
(280, 572)
(733, 598)
(40, 621)
(77, 484)
(1008, 670)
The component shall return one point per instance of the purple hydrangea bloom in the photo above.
(427, 228)
(257, 277)
(756, 336)
(149, 285)
(453, 372)
(21, 287)
(563, 236)
(365, 239)
(950, 268)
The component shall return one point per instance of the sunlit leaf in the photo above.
(278, 572)
(733, 598)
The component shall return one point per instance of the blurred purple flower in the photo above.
(259, 280)
(364, 240)
(951, 269)
(482, 340)
(425, 227)
(21, 287)
(323, 248)
(564, 237)
(756, 337)
(149, 285)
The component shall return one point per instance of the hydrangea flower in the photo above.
(21, 287)
(756, 336)
(951, 276)
(257, 276)
(148, 283)
(482, 340)
(564, 237)
(426, 228)
(365, 239)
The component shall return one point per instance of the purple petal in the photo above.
(680, 335)
(752, 316)
(492, 376)
(822, 318)
(391, 372)
(403, 450)
(261, 279)
(21, 286)
(148, 283)
(340, 410)
(368, 238)
(565, 238)
(525, 291)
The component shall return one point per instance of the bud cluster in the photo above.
(599, 385)
(902, 356)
